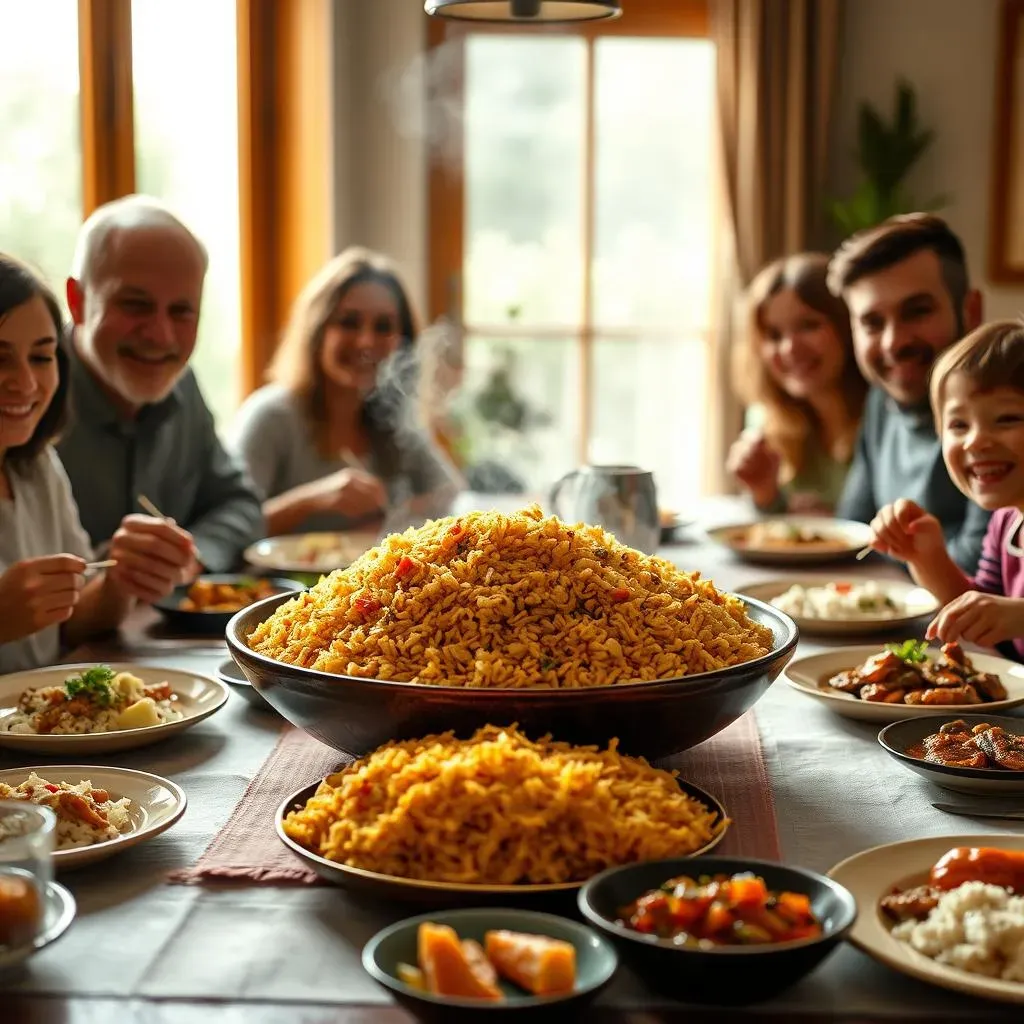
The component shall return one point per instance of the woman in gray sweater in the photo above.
(331, 442)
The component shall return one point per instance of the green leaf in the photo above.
(911, 651)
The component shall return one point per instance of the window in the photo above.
(40, 177)
(186, 153)
(219, 107)
(586, 194)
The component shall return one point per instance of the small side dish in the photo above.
(213, 596)
(85, 815)
(905, 674)
(93, 701)
(969, 914)
(450, 966)
(957, 745)
(721, 910)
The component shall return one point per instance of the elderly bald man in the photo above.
(140, 425)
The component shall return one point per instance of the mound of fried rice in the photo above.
(492, 600)
(499, 809)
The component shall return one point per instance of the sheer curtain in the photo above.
(776, 77)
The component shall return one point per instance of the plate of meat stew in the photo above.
(967, 754)
(908, 680)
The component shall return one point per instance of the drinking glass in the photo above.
(27, 838)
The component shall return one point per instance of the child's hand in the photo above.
(905, 531)
(39, 592)
(153, 557)
(978, 618)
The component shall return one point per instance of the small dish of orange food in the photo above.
(474, 960)
(721, 910)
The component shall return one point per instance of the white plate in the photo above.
(915, 601)
(156, 804)
(810, 676)
(58, 913)
(874, 873)
(309, 552)
(198, 696)
(846, 538)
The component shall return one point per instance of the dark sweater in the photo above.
(898, 455)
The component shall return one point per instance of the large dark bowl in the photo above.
(728, 974)
(652, 720)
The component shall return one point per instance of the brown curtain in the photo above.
(776, 77)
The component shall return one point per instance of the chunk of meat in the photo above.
(879, 693)
(77, 807)
(988, 685)
(849, 681)
(1001, 747)
(943, 695)
(957, 749)
(911, 904)
(881, 666)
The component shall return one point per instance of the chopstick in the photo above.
(864, 552)
(91, 567)
(150, 507)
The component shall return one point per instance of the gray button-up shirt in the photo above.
(171, 454)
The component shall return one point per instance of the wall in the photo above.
(947, 50)
(380, 156)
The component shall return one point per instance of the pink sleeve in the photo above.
(989, 577)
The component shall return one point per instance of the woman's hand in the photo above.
(153, 557)
(978, 618)
(755, 464)
(906, 532)
(39, 592)
(350, 492)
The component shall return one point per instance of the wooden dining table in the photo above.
(144, 950)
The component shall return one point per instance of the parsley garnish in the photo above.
(910, 651)
(93, 684)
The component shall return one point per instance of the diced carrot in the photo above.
(620, 594)
(797, 903)
(405, 566)
(747, 891)
(843, 588)
(718, 918)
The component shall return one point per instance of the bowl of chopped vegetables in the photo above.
(719, 929)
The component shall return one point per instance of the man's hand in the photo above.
(978, 618)
(153, 557)
(39, 592)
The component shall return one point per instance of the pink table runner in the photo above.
(730, 766)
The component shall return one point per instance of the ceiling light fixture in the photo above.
(547, 11)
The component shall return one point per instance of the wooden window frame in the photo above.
(284, 140)
(446, 185)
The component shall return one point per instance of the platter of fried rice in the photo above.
(495, 813)
(488, 600)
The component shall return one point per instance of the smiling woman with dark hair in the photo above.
(330, 443)
(43, 549)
